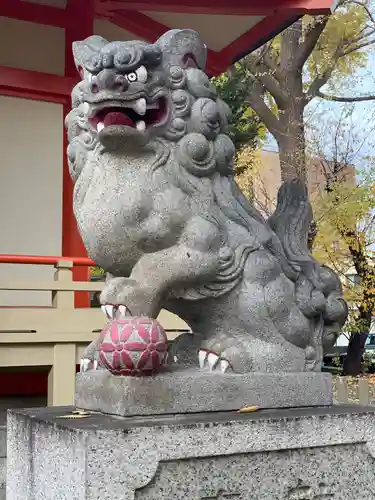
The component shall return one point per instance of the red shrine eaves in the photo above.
(230, 29)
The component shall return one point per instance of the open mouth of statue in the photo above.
(138, 114)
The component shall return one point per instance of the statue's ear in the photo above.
(84, 50)
(183, 47)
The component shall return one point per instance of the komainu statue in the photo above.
(159, 209)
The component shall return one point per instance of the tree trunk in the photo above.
(292, 143)
(291, 140)
(353, 359)
(363, 317)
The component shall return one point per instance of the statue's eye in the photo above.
(132, 77)
(141, 74)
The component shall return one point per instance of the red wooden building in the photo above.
(37, 74)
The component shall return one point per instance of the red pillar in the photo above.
(80, 25)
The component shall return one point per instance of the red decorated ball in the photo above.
(133, 346)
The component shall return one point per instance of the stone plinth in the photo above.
(192, 390)
(320, 453)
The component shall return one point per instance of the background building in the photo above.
(268, 179)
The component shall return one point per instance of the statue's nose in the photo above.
(108, 80)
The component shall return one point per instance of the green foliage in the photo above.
(248, 165)
(246, 127)
(340, 35)
(369, 361)
(345, 240)
(96, 271)
(346, 209)
(338, 49)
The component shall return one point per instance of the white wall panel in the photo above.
(31, 165)
(30, 46)
(112, 32)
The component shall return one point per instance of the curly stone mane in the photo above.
(203, 155)
(156, 200)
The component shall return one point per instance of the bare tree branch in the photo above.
(319, 81)
(368, 225)
(261, 72)
(271, 63)
(366, 9)
(335, 98)
(309, 42)
(256, 101)
(362, 35)
(333, 263)
(355, 48)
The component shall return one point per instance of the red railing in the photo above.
(82, 299)
(44, 260)
(13, 383)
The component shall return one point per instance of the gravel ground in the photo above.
(353, 384)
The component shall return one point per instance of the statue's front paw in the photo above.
(244, 353)
(113, 290)
(90, 358)
(125, 297)
(227, 360)
(213, 361)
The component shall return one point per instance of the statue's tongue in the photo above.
(117, 118)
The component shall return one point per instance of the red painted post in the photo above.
(33, 13)
(15, 82)
(221, 7)
(80, 25)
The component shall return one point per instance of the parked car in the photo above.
(369, 354)
(333, 361)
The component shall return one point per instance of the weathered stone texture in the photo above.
(192, 390)
(269, 455)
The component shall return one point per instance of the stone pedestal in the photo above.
(189, 390)
(316, 454)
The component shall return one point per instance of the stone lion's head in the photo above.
(134, 92)
(131, 91)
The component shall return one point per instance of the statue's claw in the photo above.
(212, 361)
(91, 353)
(108, 310)
(115, 311)
(87, 364)
(224, 365)
(202, 355)
(122, 311)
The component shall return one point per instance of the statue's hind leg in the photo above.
(240, 334)
(244, 352)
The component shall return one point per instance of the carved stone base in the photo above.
(320, 453)
(192, 390)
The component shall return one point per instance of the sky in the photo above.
(360, 126)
